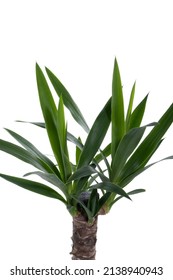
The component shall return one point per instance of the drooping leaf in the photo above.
(22, 154)
(34, 187)
(67, 99)
(110, 187)
(51, 178)
(45, 161)
(129, 193)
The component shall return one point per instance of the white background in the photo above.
(78, 41)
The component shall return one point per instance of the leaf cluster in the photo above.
(96, 181)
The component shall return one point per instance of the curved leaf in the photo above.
(110, 187)
(51, 178)
(126, 147)
(34, 187)
(47, 163)
(144, 151)
(67, 99)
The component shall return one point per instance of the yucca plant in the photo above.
(95, 182)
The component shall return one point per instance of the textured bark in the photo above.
(84, 238)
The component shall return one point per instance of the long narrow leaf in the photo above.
(34, 187)
(118, 123)
(130, 106)
(129, 193)
(96, 135)
(47, 163)
(51, 178)
(149, 144)
(110, 187)
(50, 115)
(67, 99)
(21, 154)
(137, 115)
(126, 147)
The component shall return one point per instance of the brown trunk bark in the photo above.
(84, 238)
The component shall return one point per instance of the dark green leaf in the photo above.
(51, 178)
(110, 187)
(129, 193)
(144, 151)
(34, 187)
(137, 115)
(50, 115)
(21, 154)
(47, 164)
(96, 136)
(118, 123)
(67, 99)
(81, 173)
(130, 106)
(126, 147)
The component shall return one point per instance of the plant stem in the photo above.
(84, 238)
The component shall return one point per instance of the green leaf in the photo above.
(144, 151)
(110, 187)
(129, 193)
(130, 106)
(129, 178)
(67, 99)
(39, 124)
(93, 202)
(106, 151)
(126, 147)
(51, 178)
(34, 187)
(103, 200)
(50, 114)
(81, 173)
(118, 123)
(47, 164)
(96, 136)
(78, 151)
(21, 154)
(88, 212)
(70, 137)
(137, 115)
